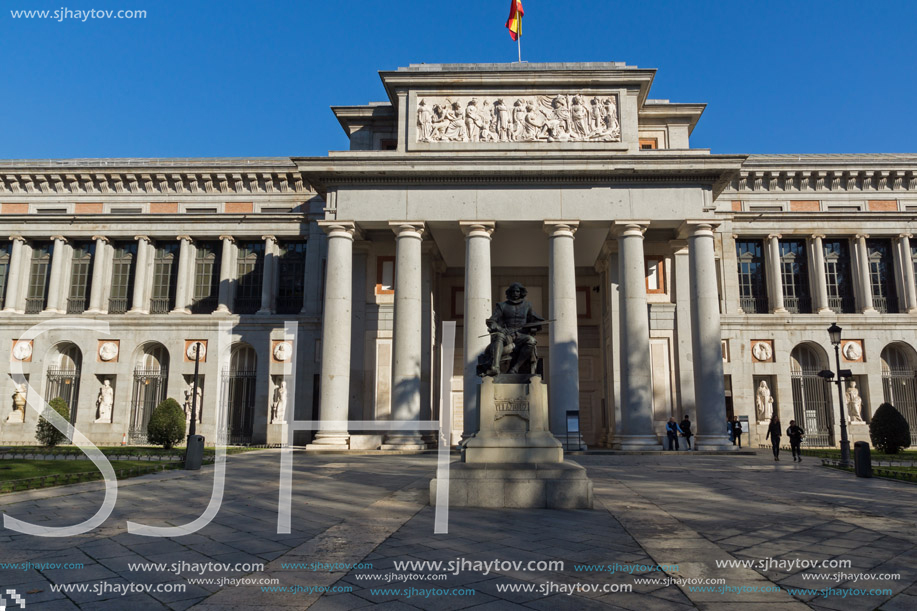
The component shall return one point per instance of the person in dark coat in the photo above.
(737, 431)
(795, 433)
(671, 431)
(685, 427)
(774, 433)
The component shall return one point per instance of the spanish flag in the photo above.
(514, 23)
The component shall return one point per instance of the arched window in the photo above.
(811, 396)
(899, 383)
(64, 376)
(239, 390)
(151, 378)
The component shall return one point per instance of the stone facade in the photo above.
(678, 280)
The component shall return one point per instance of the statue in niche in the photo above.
(279, 406)
(199, 405)
(512, 329)
(19, 399)
(104, 402)
(854, 403)
(764, 402)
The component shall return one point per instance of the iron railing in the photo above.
(246, 305)
(754, 305)
(844, 305)
(900, 390)
(34, 305)
(798, 305)
(76, 305)
(812, 408)
(160, 305)
(117, 305)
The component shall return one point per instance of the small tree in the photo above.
(167, 424)
(889, 430)
(45, 432)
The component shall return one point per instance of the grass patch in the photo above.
(26, 474)
(903, 456)
(66, 451)
(904, 474)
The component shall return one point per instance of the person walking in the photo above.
(671, 430)
(737, 431)
(795, 433)
(685, 427)
(774, 433)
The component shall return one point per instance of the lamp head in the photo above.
(834, 332)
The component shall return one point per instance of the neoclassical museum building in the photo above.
(677, 281)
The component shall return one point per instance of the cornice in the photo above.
(855, 179)
(149, 181)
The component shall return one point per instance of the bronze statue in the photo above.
(512, 329)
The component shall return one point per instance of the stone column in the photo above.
(820, 275)
(54, 283)
(267, 276)
(907, 268)
(185, 275)
(478, 308)
(336, 340)
(563, 374)
(407, 334)
(866, 306)
(139, 302)
(636, 427)
(98, 275)
(707, 338)
(227, 273)
(14, 278)
(772, 259)
(683, 325)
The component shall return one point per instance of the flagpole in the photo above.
(519, 44)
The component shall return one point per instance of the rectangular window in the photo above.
(649, 144)
(655, 278)
(80, 277)
(291, 270)
(838, 276)
(206, 278)
(752, 287)
(250, 272)
(5, 253)
(881, 277)
(122, 277)
(37, 296)
(385, 275)
(794, 276)
(165, 276)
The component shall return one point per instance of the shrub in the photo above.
(45, 432)
(167, 424)
(889, 430)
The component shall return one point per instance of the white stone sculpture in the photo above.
(22, 351)
(19, 399)
(852, 351)
(762, 351)
(854, 403)
(104, 402)
(279, 407)
(108, 351)
(538, 118)
(199, 406)
(764, 402)
(283, 351)
(193, 349)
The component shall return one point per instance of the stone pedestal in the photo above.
(277, 434)
(514, 460)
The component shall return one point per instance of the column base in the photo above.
(781, 311)
(54, 311)
(330, 442)
(637, 443)
(871, 312)
(826, 312)
(718, 443)
(137, 311)
(405, 441)
(180, 311)
(912, 310)
(263, 313)
(222, 309)
(12, 311)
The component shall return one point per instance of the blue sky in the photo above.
(202, 78)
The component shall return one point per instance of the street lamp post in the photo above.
(834, 332)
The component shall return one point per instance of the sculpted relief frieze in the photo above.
(538, 118)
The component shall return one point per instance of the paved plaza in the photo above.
(680, 513)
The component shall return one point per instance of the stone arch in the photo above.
(239, 391)
(64, 363)
(812, 404)
(899, 381)
(150, 383)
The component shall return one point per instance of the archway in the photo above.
(151, 378)
(812, 406)
(63, 373)
(239, 384)
(899, 382)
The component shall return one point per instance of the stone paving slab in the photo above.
(650, 510)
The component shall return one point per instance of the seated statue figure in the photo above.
(512, 330)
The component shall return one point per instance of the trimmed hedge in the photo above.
(167, 424)
(46, 434)
(889, 430)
